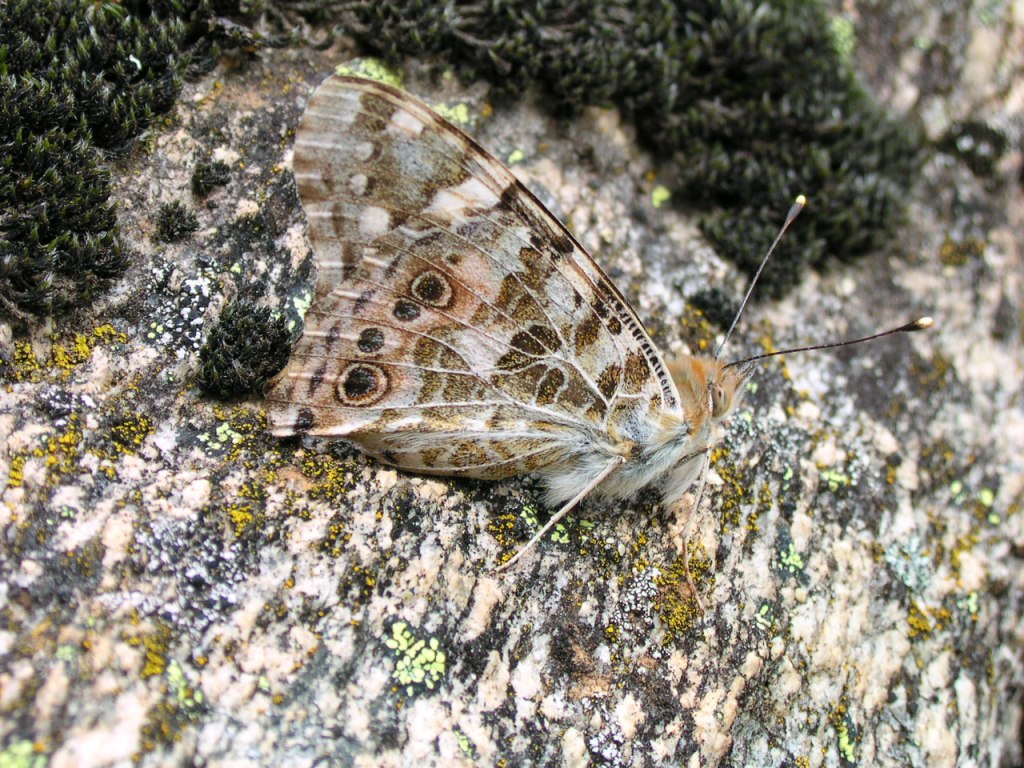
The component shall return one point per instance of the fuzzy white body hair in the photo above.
(668, 450)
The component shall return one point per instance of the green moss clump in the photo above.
(247, 346)
(175, 222)
(748, 104)
(74, 75)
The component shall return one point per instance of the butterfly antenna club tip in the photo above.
(921, 324)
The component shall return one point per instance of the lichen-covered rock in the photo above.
(179, 588)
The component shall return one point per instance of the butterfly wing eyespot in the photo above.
(432, 288)
(458, 328)
(362, 384)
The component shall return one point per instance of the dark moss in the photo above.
(750, 103)
(120, 62)
(978, 144)
(58, 243)
(174, 222)
(246, 347)
(74, 75)
(209, 174)
(716, 306)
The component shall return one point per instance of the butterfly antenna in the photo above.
(918, 325)
(794, 211)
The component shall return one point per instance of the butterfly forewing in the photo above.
(458, 328)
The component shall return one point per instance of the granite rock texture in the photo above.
(178, 588)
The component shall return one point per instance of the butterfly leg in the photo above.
(687, 526)
(598, 479)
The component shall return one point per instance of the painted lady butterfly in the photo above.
(459, 329)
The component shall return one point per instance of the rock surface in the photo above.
(180, 589)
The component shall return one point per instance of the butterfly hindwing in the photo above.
(457, 328)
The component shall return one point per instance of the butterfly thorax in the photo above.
(668, 451)
(708, 390)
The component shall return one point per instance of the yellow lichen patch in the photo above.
(953, 253)
(937, 461)
(637, 545)
(108, 334)
(964, 543)
(294, 502)
(335, 538)
(120, 434)
(332, 478)
(69, 355)
(676, 605)
(611, 633)
(891, 470)
(16, 475)
(274, 610)
(156, 644)
(131, 433)
(941, 617)
(356, 584)
(932, 375)
(242, 517)
(765, 499)
(368, 578)
(60, 454)
(918, 621)
(239, 429)
(733, 492)
(767, 343)
(248, 512)
(503, 528)
(66, 353)
(63, 450)
(124, 437)
(26, 366)
(83, 562)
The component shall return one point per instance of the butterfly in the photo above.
(458, 328)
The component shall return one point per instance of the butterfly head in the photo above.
(708, 388)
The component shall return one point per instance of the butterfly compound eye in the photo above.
(719, 405)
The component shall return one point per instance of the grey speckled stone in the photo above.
(181, 589)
